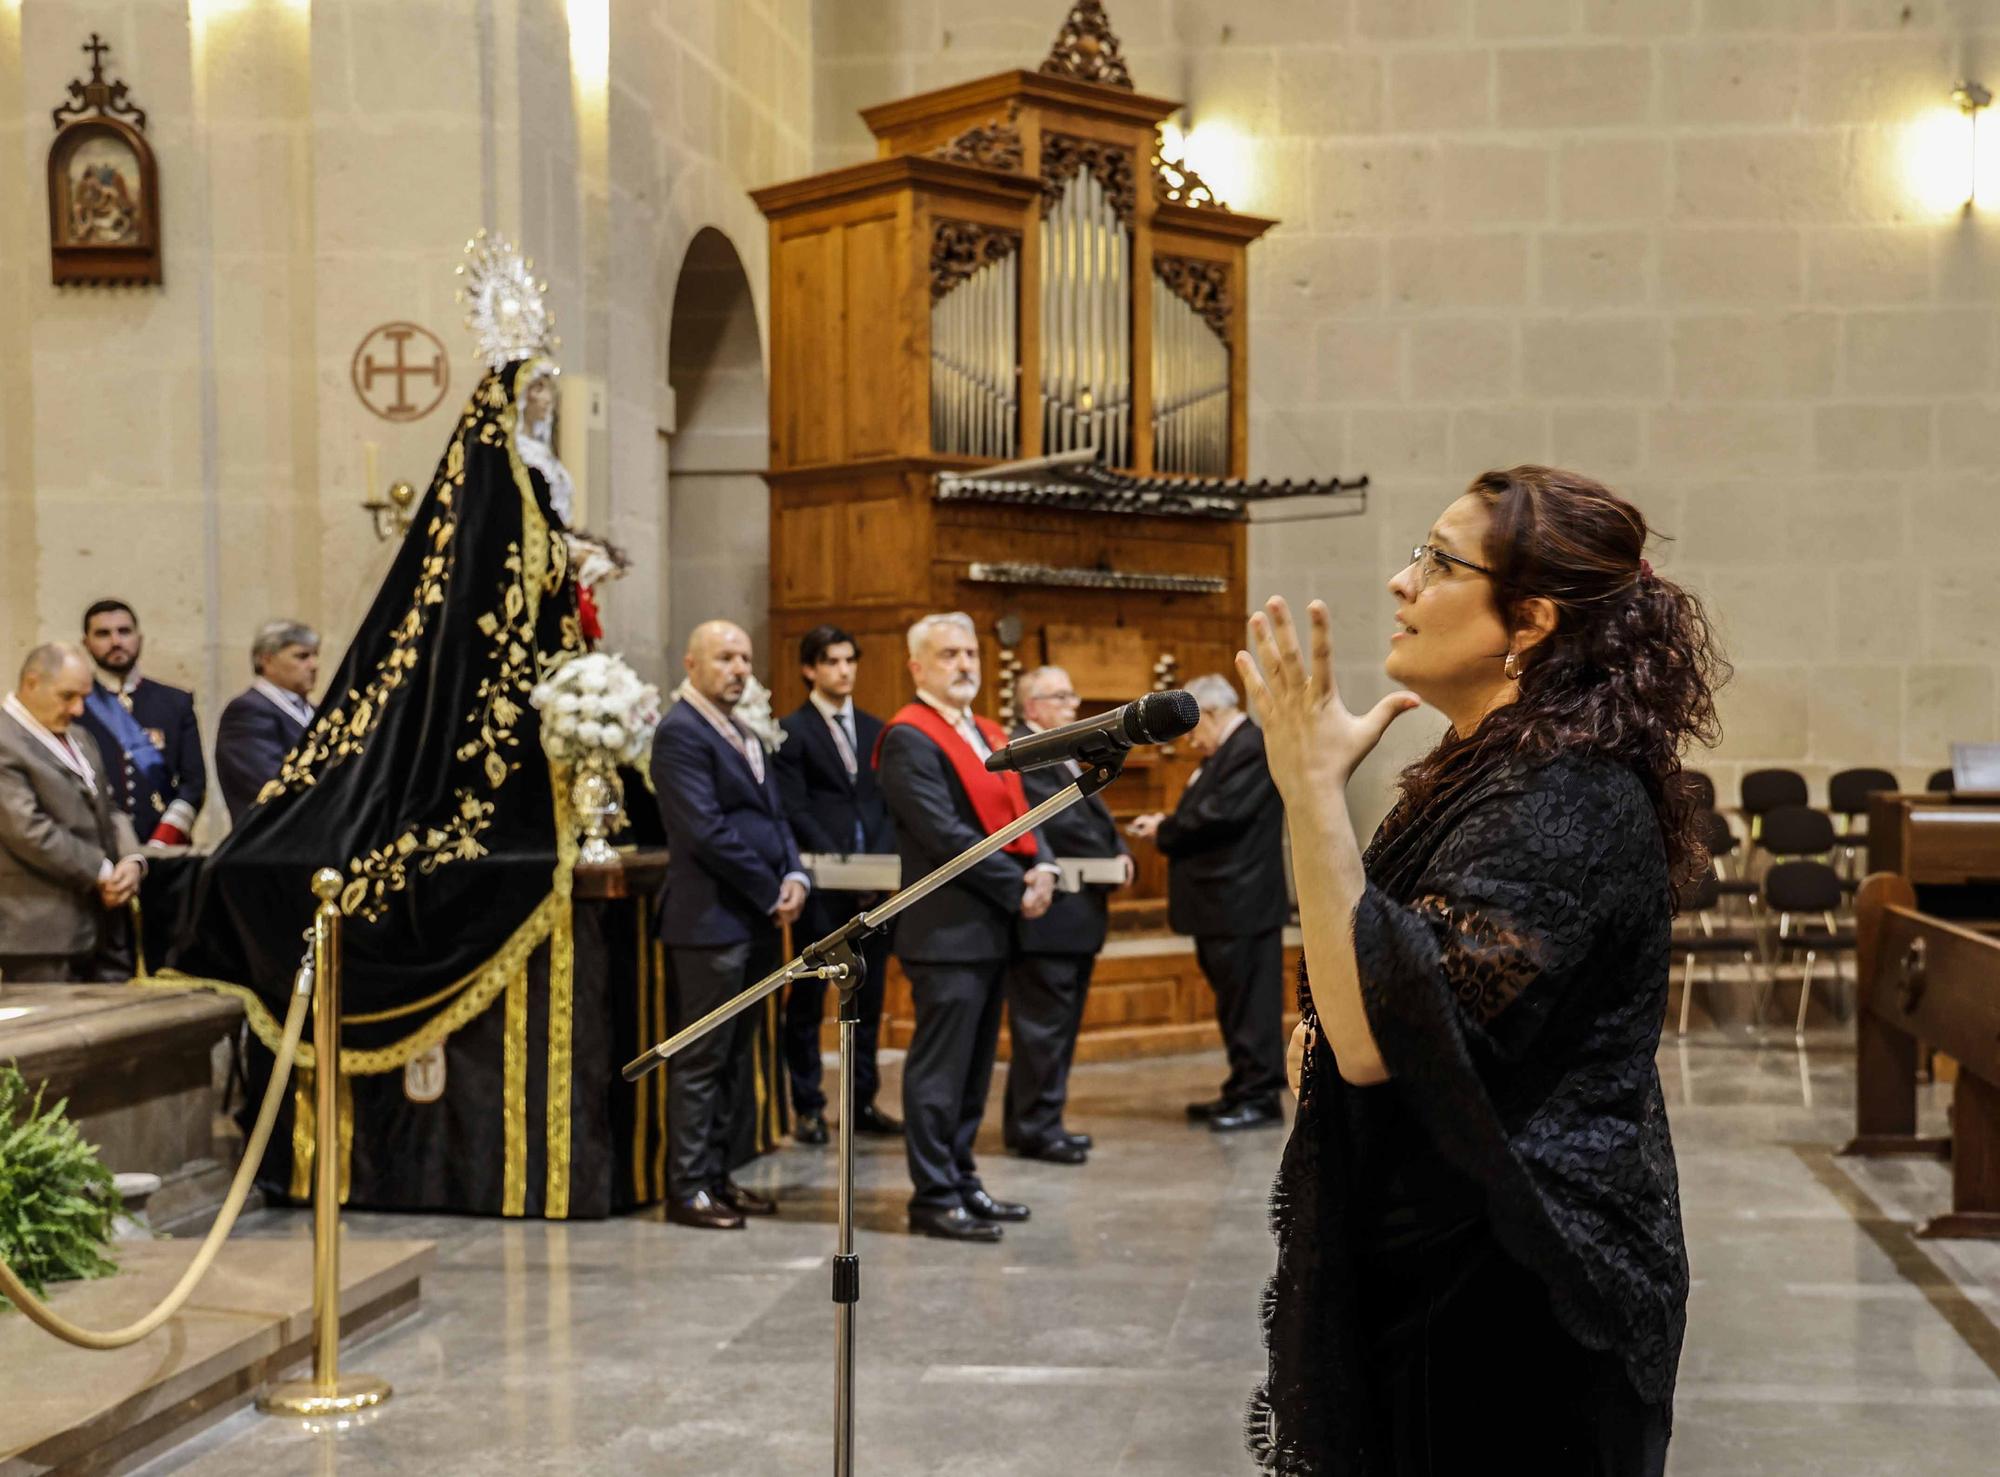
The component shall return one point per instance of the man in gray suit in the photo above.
(69, 858)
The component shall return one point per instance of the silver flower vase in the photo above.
(598, 798)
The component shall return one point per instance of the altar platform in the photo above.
(70, 1410)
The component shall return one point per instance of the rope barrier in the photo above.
(41, 1314)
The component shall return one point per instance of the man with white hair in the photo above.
(956, 944)
(264, 722)
(1046, 990)
(1224, 846)
(69, 858)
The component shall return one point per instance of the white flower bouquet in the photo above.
(593, 706)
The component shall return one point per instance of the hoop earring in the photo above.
(1511, 667)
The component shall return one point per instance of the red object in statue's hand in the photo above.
(586, 616)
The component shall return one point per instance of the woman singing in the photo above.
(1480, 1264)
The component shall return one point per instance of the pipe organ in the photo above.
(1018, 278)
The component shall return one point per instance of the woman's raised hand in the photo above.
(1310, 737)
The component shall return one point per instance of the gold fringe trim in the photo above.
(305, 1116)
(514, 1099)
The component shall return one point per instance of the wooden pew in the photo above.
(1923, 978)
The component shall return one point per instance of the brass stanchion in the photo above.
(327, 1392)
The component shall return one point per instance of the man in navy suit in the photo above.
(955, 944)
(1225, 850)
(1046, 989)
(826, 774)
(145, 730)
(262, 723)
(734, 879)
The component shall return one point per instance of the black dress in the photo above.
(1480, 1263)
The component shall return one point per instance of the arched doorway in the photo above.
(718, 512)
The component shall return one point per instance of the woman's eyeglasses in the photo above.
(1432, 564)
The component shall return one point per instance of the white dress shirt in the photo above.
(286, 699)
(840, 720)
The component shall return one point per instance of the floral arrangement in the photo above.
(594, 705)
(753, 711)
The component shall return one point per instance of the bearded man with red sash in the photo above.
(957, 944)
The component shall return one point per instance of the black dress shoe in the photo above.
(1202, 1112)
(871, 1119)
(1055, 1151)
(703, 1211)
(1081, 1140)
(810, 1129)
(986, 1208)
(741, 1200)
(1255, 1113)
(954, 1224)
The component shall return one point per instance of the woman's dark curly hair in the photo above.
(1629, 671)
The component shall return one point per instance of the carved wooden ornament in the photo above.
(1086, 49)
(104, 187)
(960, 248)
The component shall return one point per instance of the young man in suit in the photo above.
(69, 858)
(957, 943)
(263, 723)
(145, 730)
(1224, 846)
(1047, 986)
(733, 881)
(826, 774)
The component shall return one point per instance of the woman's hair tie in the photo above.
(1645, 569)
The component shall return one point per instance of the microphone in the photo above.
(1153, 719)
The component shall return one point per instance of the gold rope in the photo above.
(660, 1077)
(562, 1002)
(477, 991)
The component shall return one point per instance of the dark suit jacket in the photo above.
(251, 743)
(971, 918)
(1076, 922)
(167, 713)
(826, 807)
(1224, 845)
(55, 835)
(728, 847)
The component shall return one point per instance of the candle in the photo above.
(370, 487)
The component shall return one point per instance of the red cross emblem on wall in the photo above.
(400, 371)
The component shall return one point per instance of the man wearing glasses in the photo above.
(1050, 978)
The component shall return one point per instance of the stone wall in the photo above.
(198, 447)
(1671, 243)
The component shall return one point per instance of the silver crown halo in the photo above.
(506, 307)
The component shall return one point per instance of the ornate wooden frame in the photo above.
(98, 109)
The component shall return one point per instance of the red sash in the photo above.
(996, 798)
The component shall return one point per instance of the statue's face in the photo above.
(540, 400)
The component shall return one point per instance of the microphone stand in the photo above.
(837, 958)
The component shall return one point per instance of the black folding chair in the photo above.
(1764, 790)
(1847, 798)
(1708, 936)
(1941, 782)
(1806, 894)
(1722, 846)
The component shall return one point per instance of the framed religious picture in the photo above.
(104, 187)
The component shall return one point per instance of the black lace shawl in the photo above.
(1513, 952)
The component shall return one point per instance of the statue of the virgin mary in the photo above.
(423, 780)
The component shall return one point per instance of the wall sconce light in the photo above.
(1953, 157)
(389, 512)
(1973, 100)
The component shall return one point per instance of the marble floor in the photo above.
(1116, 1333)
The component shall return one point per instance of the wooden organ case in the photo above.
(1018, 283)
